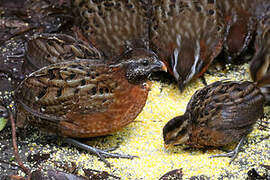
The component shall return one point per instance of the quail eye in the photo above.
(145, 63)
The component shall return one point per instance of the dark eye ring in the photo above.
(145, 63)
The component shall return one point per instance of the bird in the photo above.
(113, 27)
(259, 65)
(240, 24)
(87, 97)
(45, 48)
(217, 115)
(241, 18)
(187, 36)
(106, 60)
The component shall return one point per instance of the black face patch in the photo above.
(137, 73)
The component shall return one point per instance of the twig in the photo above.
(15, 147)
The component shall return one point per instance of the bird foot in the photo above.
(232, 154)
(102, 154)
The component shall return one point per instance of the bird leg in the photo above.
(102, 154)
(231, 154)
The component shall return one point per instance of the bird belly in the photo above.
(122, 112)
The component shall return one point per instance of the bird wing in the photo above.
(83, 86)
(80, 98)
(227, 105)
(45, 49)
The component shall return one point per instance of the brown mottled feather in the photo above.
(81, 98)
(226, 110)
(240, 25)
(217, 115)
(46, 49)
(113, 26)
(183, 30)
(260, 63)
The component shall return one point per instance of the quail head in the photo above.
(187, 35)
(45, 49)
(113, 26)
(217, 115)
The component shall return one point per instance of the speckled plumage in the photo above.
(114, 26)
(217, 115)
(45, 49)
(259, 65)
(142, 138)
(85, 98)
(187, 35)
(240, 25)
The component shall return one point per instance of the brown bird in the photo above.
(240, 17)
(45, 49)
(87, 98)
(187, 36)
(114, 26)
(111, 92)
(260, 64)
(217, 115)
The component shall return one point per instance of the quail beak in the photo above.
(164, 68)
(166, 146)
(160, 66)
